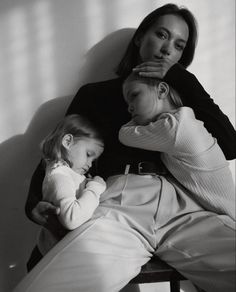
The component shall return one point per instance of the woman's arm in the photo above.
(194, 96)
(35, 191)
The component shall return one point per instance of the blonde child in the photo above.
(68, 153)
(190, 153)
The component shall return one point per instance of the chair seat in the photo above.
(157, 271)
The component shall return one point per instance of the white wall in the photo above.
(48, 48)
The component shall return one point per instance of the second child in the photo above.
(68, 153)
(190, 153)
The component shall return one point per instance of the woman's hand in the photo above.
(46, 214)
(42, 212)
(154, 69)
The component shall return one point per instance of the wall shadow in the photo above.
(102, 59)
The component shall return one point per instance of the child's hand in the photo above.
(99, 180)
(97, 185)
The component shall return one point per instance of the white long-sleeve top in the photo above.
(68, 190)
(191, 155)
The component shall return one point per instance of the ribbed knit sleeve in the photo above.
(191, 155)
(156, 136)
(195, 96)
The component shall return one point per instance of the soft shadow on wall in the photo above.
(102, 59)
(20, 155)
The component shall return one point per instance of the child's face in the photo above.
(142, 101)
(83, 152)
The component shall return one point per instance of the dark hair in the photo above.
(76, 125)
(131, 55)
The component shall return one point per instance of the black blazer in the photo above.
(103, 103)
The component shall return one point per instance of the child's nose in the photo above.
(89, 162)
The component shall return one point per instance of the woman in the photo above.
(140, 215)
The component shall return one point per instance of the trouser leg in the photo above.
(103, 258)
(201, 246)
(36, 256)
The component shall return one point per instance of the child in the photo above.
(68, 152)
(160, 123)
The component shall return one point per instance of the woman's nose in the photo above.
(166, 48)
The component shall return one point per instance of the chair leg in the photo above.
(174, 285)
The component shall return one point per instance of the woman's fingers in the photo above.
(147, 68)
(158, 75)
(150, 63)
(150, 71)
(43, 211)
(157, 69)
(161, 62)
(38, 218)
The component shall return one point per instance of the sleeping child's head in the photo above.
(74, 141)
(149, 97)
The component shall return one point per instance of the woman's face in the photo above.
(166, 39)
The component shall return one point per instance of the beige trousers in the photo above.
(139, 216)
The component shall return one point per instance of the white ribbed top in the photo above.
(191, 154)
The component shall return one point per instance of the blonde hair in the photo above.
(174, 97)
(76, 125)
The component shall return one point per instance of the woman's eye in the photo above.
(161, 35)
(179, 47)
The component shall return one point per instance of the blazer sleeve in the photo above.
(194, 96)
(35, 190)
(80, 103)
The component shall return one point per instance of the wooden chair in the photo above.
(158, 271)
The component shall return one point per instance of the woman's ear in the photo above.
(162, 90)
(67, 141)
